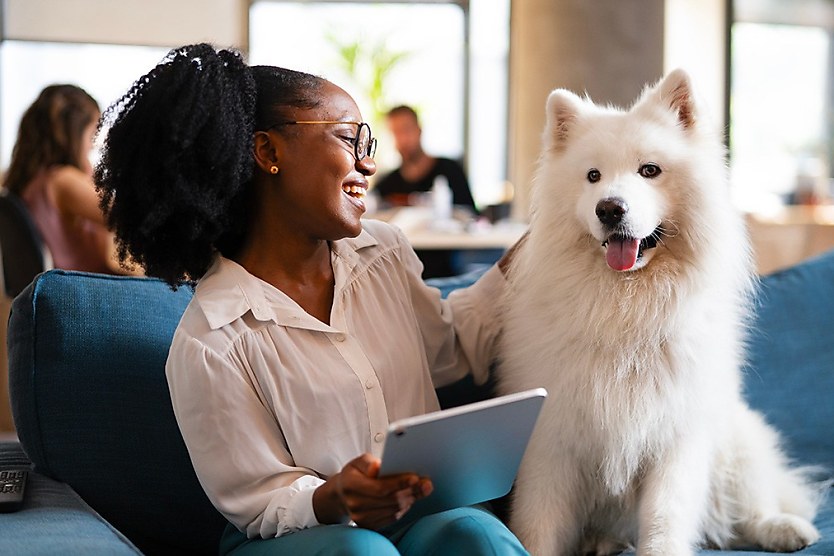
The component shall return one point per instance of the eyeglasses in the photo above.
(363, 143)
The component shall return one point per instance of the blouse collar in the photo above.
(228, 291)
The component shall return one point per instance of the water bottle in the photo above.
(441, 199)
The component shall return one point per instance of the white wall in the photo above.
(146, 22)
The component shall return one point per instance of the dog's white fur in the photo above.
(644, 439)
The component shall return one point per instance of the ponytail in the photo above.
(176, 166)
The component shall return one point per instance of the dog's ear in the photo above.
(563, 107)
(674, 92)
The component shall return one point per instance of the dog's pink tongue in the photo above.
(622, 253)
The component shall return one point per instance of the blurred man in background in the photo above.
(418, 169)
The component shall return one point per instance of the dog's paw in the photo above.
(664, 547)
(782, 533)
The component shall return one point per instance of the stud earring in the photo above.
(273, 169)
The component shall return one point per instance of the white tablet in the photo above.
(471, 453)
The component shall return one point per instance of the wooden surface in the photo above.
(790, 235)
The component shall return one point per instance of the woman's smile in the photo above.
(356, 191)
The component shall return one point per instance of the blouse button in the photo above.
(340, 337)
(378, 437)
(369, 384)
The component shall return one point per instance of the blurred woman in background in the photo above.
(51, 172)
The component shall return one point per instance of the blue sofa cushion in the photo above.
(790, 377)
(92, 408)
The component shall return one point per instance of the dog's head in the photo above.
(633, 179)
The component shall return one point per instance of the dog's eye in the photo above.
(594, 175)
(649, 170)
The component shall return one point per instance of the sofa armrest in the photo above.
(54, 519)
(91, 404)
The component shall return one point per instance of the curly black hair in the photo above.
(175, 175)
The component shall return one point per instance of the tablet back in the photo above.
(471, 453)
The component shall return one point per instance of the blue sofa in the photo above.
(110, 472)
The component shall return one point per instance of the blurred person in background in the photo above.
(418, 169)
(51, 173)
(416, 175)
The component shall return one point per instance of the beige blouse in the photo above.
(271, 401)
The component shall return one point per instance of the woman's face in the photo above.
(321, 184)
(86, 147)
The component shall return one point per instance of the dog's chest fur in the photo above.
(614, 369)
(626, 406)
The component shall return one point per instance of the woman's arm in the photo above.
(76, 197)
(236, 446)
(459, 333)
(75, 194)
(238, 451)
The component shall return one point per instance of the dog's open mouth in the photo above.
(622, 252)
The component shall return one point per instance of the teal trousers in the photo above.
(462, 531)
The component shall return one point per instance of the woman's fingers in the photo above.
(372, 501)
(359, 494)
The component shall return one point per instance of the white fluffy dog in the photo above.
(628, 302)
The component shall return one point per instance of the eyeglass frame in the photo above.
(372, 144)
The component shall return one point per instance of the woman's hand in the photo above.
(357, 493)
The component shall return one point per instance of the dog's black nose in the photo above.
(610, 211)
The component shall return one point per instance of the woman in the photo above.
(307, 334)
(51, 171)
